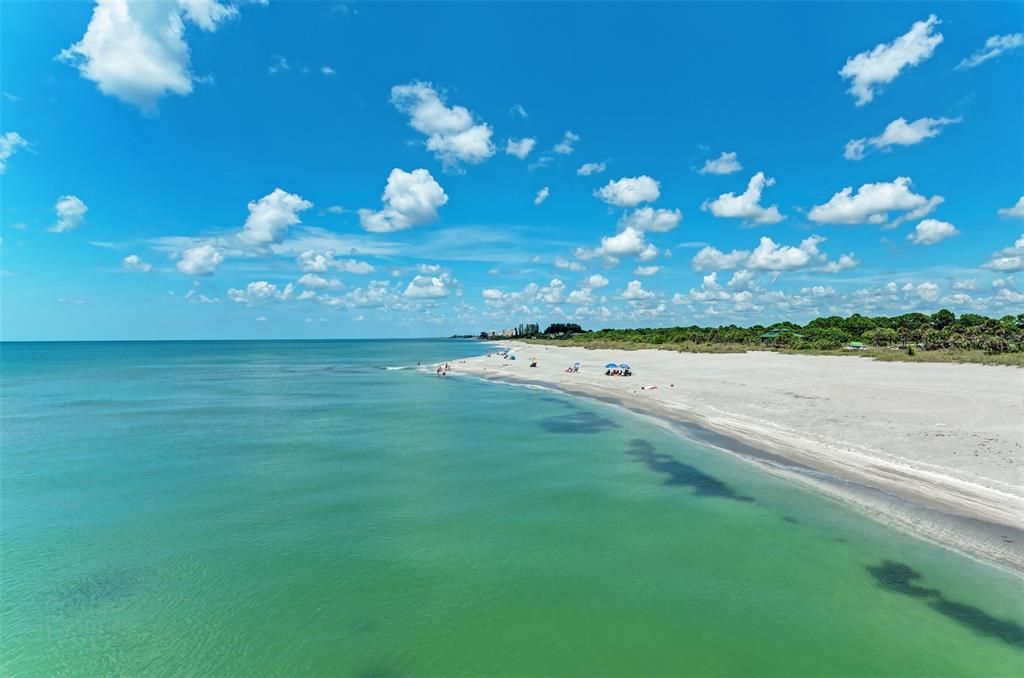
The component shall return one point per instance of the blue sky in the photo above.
(195, 169)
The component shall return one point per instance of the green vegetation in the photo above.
(912, 337)
(556, 329)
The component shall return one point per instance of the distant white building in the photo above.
(520, 331)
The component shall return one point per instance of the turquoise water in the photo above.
(241, 508)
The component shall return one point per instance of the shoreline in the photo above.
(978, 512)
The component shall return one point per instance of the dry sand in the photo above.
(934, 449)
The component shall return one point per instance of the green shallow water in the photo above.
(253, 508)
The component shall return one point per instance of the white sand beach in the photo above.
(947, 438)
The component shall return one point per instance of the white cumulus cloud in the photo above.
(70, 213)
(541, 196)
(568, 143)
(410, 199)
(200, 260)
(134, 263)
(741, 281)
(452, 133)
(710, 290)
(648, 252)
(926, 291)
(575, 266)
(520, 147)
(646, 270)
(727, 163)
(869, 71)
(193, 296)
(747, 205)
(429, 287)
(994, 46)
(1016, 211)
(635, 290)
(353, 266)
(844, 262)
(1008, 260)
(376, 294)
(628, 242)
(581, 297)
(872, 203)
(931, 231)
(136, 51)
(588, 168)
(650, 219)
(553, 292)
(316, 282)
(770, 256)
(899, 132)
(260, 291)
(712, 259)
(311, 261)
(10, 142)
(629, 191)
(270, 217)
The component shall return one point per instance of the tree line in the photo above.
(940, 330)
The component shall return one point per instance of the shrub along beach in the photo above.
(917, 337)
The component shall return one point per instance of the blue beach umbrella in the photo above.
(611, 366)
(624, 366)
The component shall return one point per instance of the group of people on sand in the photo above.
(618, 372)
(575, 367)
(507, 355)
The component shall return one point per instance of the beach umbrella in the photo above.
(624, 366)
(611, 366)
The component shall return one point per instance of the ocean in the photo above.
(324, 508)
